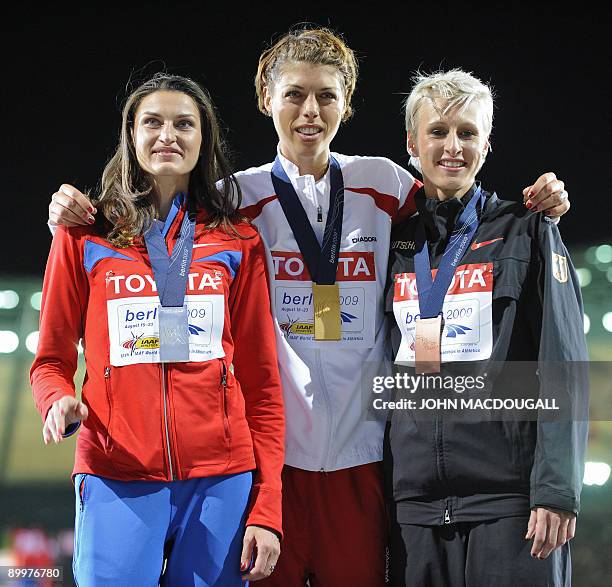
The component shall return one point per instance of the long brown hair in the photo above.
(124, 201)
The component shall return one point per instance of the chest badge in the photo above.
(559, 268)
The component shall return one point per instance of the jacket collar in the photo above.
(447, 211)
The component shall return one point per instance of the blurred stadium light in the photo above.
(596, 473)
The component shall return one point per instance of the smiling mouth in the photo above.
(452, 164)
(166, 152)
(309, 130)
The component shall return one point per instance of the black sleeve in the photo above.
(394, 335)
(558, 468)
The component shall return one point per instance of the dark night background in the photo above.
(65, 71)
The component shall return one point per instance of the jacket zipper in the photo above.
(163, 370)
(441, 474)
(330, 418)
(224, 385)
(107, 374)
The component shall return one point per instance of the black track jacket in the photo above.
(443, 470)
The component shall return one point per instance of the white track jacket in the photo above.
(325, 427)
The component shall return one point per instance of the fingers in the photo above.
(531, 525)
(70, 207)
(571, 528)
(80, 199)
(539, 537)
(81, 412)
(554, 522)
(261, 568)
(546, 186)
(562, 534)
(50, 428)
(65, 410)
(558, 200)
(541, 184)
(247, 550)
(267, 548)
(47, 433)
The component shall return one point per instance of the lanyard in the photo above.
(432, 292)
(321, 260)
(171, 271)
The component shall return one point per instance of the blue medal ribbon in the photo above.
(171, 271)
(321, 260)
(432, 292)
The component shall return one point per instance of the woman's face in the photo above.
(451, 147)
(167, 134)
(306, 103)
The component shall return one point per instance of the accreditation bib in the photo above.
(467, 333)
(134, 328)
(294, 303)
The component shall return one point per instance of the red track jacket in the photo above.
(219, 414)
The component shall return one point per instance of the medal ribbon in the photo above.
(432, 292)
(171, 271)
(321, 260)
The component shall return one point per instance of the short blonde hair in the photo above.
(319, 46)
(459, 88)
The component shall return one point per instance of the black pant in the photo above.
(473, 554)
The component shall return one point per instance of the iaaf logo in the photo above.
(122, 284)
(295, 327)
(358, 266)
(467, 278)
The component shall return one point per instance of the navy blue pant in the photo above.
(473, 554)
(125, 530)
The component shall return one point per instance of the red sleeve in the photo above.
(408, 206)
(256, 368)
(64, 298)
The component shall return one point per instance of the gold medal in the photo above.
(326, 301)
(427, 345)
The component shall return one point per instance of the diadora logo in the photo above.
(145, 284)
(357, 266)
(467, 278)
(363, 239)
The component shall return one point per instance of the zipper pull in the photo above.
(447, 516)
(224, 375)
(106, 372)
(319, 214)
